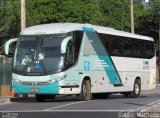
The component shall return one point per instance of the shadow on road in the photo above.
(67, 98)
(33, 99)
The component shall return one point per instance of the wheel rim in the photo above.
(84, 90)
(136, 88)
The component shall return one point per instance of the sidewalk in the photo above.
(8, 99)
(5, 97)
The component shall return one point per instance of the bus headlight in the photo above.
(57, 79)
(16, 80)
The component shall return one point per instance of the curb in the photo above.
(4, 100)
(154, 108)
(5, 97)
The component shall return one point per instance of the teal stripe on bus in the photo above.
(111, 71)
(88, 29)
(102, 54)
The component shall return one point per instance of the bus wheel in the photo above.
(85, 90)
(137, 89)
(40, 98)
(100, 95)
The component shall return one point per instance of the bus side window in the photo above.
(77, 44)
(69, 54)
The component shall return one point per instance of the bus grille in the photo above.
(34, 83)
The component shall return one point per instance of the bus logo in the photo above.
(86, 65)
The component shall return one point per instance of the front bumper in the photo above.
(52, 88)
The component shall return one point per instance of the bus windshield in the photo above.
(39, 54)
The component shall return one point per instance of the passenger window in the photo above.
(127, 47)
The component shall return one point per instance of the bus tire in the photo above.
(100, 95)
(85, 91)
(136, 90)
(40, 98)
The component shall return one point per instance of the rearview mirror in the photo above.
(10, 47)
(64, 44)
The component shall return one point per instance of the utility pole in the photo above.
(159, 29)
(23, 15)
(132, 17)
(23, 25)
(159, 46)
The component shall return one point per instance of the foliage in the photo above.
(111, 13)
(148, 22)
(49, 11)
(9, 19)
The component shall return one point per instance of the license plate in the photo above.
(34, 90)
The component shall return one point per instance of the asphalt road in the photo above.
(69, 106)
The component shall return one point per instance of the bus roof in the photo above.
(66, 27)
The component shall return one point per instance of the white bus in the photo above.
(83, 60)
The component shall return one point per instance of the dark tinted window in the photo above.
(127, 47)
(73, 49)
(77, 42)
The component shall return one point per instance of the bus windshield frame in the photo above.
(39, 54)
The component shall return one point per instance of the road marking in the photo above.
(146, 106)
(154, 102)
(88, 110)
(23, 111)
(145, 109)
(70, 111)
(65, 105)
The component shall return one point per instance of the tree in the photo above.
(10, 23)
(117, 13)
(49, 11)
(110, 13)
(148, 22)
(2, 17)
